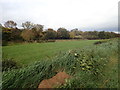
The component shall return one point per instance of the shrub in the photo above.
(29, 35)
(43, 41)
(9, 64)
(4, 43)
(99, 42)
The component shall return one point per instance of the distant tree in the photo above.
(110, 35)
(102, 35)
(28, 25)
(10, 24)
(38, 30)
(113, 35)
(85, 35)
(72, 35)
(75, 33)
(93, 34)
(62, 33)
(28, 35)
(50, 34)
(106, 35)
(16, 34)
(90, 35)
(38, 27)
(11, 34)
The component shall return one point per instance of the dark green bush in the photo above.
(99, 42)
(44, 41)
(4, 43)
(9, 64)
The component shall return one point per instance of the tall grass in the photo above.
(86, 66)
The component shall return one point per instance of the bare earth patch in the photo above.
(57, 80)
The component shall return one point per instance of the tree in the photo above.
(11, 34)
(62, 33)
(90, 35)
(38, 27)
(50, 34)
(28, 25)
(10, 31)
(113, 35)
(72, 35)
(10, 24)
(16, 34)
(75, 33)
(28, 35)
(102, 35)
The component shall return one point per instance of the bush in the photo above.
(99, 42)
(9, 64)
(4, 43)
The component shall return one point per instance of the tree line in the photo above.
(35, 32)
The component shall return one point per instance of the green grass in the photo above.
(28, 53)
(101, 58)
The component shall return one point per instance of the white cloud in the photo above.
(84, 14)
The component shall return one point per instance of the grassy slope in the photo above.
(111, 74)
(103, 73)
(28, 53)
(108, 69)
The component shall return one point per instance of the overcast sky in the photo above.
(70, 14)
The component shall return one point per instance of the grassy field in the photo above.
(95, 66)
(28, 53)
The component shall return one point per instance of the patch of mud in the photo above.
(57, 80)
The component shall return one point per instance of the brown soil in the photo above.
(56, 80)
